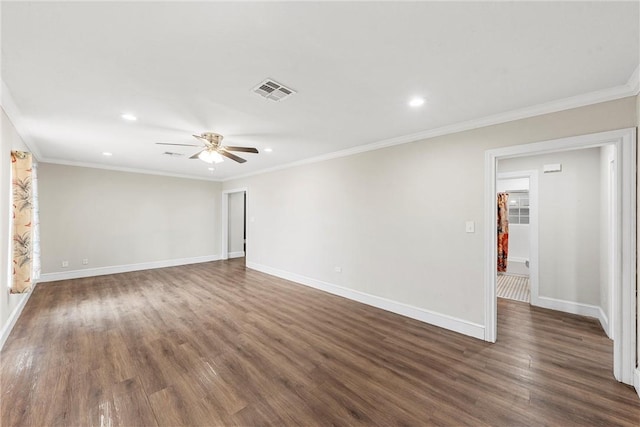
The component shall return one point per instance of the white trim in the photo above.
(437, 319)
(622, 319)
(115, 269)
(225, 219)
(586, 99)
(517, 259)
(570, 307)
(604, 321)
(125, 169)
(625, 288)
(630, 88)
(13, 317)
(239, 254)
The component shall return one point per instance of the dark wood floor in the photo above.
(215, 344)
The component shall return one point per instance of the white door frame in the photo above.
(532, 175)
(624, 315)
(225, 218)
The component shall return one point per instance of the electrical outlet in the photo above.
(85, 261)
(337, 269)
(470, 227)
(65, 264)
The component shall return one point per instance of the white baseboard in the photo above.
(636, 380)
(570, 307)
(441, 320)
(236, 254)
(604, 322)
(575, 308)
(101, 271)
(13, 317)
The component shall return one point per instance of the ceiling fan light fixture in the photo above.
(210, 156)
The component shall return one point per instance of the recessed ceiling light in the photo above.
(268, 150)
(129, 117)
(416, 102)
(211, 169)
(107, 154)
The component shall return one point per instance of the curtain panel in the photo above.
(503, 231)
(22, 221)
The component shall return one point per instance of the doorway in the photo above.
(234, 223)
(519, 281)
(623, 313)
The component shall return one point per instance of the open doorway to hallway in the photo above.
(573, 250)
(237, 225)
(234, 223)
(519, 215)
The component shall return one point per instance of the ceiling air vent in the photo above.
(172, 154)
(273, 90)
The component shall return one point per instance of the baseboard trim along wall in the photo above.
(441, 320)
(101, 271)
(575, 308)
(636, 380)
(604, 322)
(13, 317)
(236, 254)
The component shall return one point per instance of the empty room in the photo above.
(319, 213)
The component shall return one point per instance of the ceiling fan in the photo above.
(213, 150)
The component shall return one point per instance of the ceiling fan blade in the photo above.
(232, 156)
(243, 149)
(195, 156)
(199, 137)
(182, 145)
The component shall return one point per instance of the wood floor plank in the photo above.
(217, 344)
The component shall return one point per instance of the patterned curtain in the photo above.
(22, 183)
(503, 231)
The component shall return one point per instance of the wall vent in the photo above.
(172, 154)
(273, 90)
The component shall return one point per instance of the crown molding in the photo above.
(125, 169)
(15, 116)
(631, 88)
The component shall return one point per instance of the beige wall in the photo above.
(118, 218)
(568, 223)
(394, 219)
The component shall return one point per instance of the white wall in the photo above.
(394, 219)
(569, 223)
(236, 224)
(9, 140)
(117, 218)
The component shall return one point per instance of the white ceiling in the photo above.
(73, 68)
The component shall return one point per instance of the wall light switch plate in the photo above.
(65, 264)
(470, 227)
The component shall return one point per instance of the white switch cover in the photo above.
(470, 227)
(65, 264)
(338, 269)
